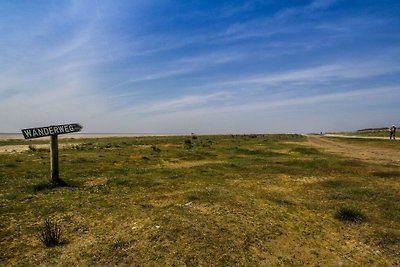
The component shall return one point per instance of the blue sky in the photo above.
(146, 66)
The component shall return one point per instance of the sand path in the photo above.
(363, 151)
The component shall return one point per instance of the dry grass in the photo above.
(229, 200)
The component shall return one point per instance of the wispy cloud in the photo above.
(305, 10)
(178, 104)
(178, 67)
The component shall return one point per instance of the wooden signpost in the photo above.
(52, 131)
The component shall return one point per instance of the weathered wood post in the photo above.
(52, 131)
(55, 176)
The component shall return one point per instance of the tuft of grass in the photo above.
(349, 214)
(50, 233)
(119, 243)
(11, 165)
(387, 174)
(42, 187)
(188, 144)
(306, 150)
(155, 149)
(338, 184)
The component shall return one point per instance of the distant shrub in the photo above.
(387, 174)
(155, 149)
(11, 165)
(32, 148)
(188, 144)
(349, 214)
(50, 233)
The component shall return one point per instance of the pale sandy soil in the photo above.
(357, 136)
(23, 148)
(362, 152)
(10, 136)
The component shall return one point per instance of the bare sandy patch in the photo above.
(95, 181)
(362, 152)
(23, 148)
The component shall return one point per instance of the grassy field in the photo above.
(265, 200)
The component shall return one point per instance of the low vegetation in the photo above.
(255, 200)
(50, 233)
(349, 214)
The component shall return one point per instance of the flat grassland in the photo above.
(232, 200)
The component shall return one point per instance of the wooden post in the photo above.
(55, 177)
(53, 131)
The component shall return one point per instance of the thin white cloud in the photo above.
(305, 10)
(173, 105)
(277, 104)
(178, 67)
(314, 75)
(268, 114)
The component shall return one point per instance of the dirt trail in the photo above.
(366, 152)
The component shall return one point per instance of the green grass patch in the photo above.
(387, 174)
(350, 214)
(306, 150)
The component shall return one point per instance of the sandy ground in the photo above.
(357, 136)
(364, 152)
(23, 148)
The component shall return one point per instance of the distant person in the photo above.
(392, 132)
